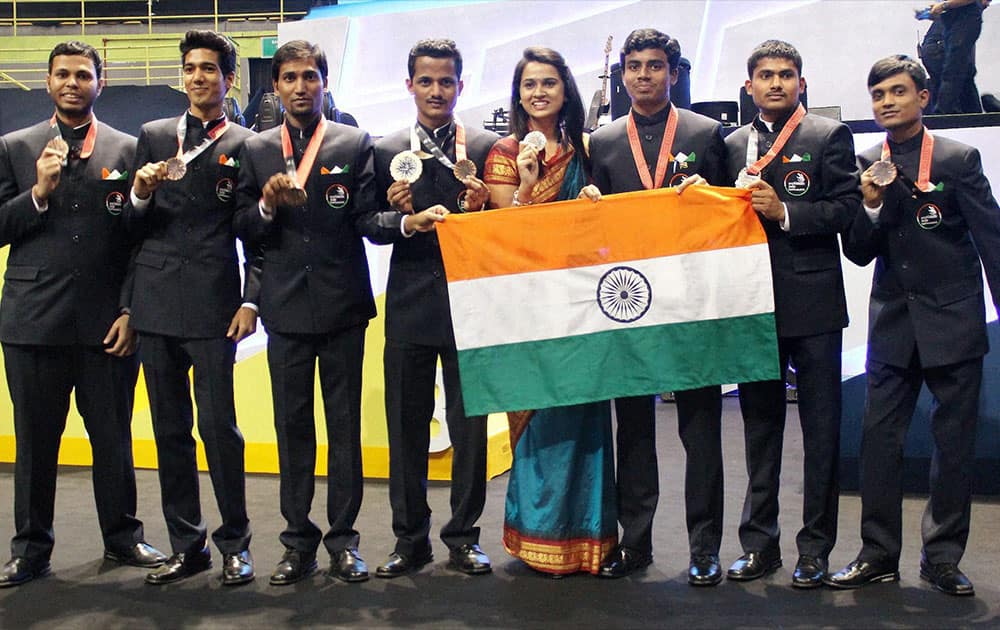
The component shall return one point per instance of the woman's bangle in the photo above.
(517, 202)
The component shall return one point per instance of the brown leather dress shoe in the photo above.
(180, 566)
(348, 566)
(622, 561)
(947, 578)
(19, 570)
(295, 566)
(400, 564)
(861, 572)
(753, 565)
(138, 555)
(237, 568)
(470, 560)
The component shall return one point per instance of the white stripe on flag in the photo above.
(541, 305)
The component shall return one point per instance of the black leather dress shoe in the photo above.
(704, 570)
(860, 573)
(753, 565)
(809, 572)
(947, 578)
(237, 568)
(180, 566)
(294, 566)
(622, 561)
(19, 570)
(138, 555)
(470, 560)
(348, 566)
(400, 564)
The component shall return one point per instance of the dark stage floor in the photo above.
(86, 592)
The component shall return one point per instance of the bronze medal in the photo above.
(464, 169)
(176, 169)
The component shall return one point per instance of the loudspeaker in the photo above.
(269, 114)
(680, 93)
(726, 112)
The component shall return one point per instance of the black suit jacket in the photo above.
(927, 289)
(315, 272)
(416, 303)
(67, 266)
(614, 169)
(187, 275)
(822, 197)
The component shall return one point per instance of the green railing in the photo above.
(92, 13)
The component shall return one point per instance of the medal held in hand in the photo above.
(535, 139)
(60, 146)
(406, 167)
(293, 196)
(464, 169)
(883, 173)
(745, 179)
(176, 169)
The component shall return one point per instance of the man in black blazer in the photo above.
(650, 61)
(64, 321)
(418, 326)
(315, 302)
(931, 232)
(800, 169)
(189, 310)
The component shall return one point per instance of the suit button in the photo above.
(192, 197)
(76, 273)
(910, 297)
(189, 229)
(184, 260)
(306, 238)
(76, 238)
(76, 206)
(905, 266)
(437, 274)
(899, 234)
(309, 268)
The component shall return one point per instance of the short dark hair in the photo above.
(895, 64)
(299, 49)
(774, 48)
(643, 38)
(222, 45)
(75, 48)
(437, 48)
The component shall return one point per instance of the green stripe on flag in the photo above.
(618, 363)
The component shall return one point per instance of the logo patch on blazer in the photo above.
(337, 196)
(797, 183)
(676, 179)
(224, 189)
(929, 216)
(114, 202)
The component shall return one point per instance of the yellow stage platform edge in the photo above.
(263, 458)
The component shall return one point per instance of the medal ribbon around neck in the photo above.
(664, 157)
(88, 141)
(926, 153)
(755, 166)
(213, 135)
(418, 137)
(305, 166)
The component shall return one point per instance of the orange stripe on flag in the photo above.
(579, 233)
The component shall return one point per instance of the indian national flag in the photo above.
(639, 293)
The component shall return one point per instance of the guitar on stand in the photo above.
(599, 105)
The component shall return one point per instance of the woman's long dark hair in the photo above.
(571, 114)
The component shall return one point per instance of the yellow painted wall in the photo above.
(254, 415)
